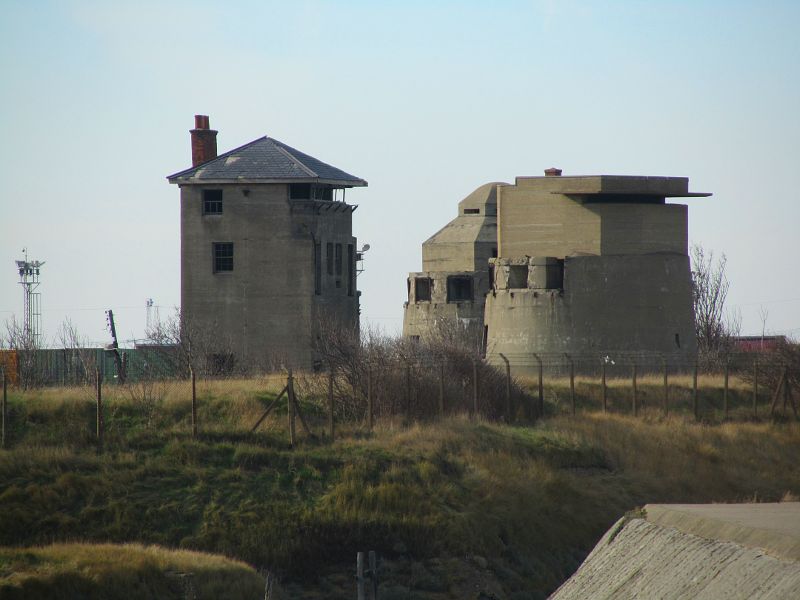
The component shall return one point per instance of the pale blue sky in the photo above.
(425, 100)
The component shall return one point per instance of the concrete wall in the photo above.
(607, 304)
(264, 309)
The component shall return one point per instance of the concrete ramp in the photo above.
(703, 552)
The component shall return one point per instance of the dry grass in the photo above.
(124, 571)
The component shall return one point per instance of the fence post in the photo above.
(508, 388)
(571, 382)
(99, 427)
(370, 402)
(755, 388)
(441, 389)
(360, 576)
(603, 383)
(4, 409)
(695, 404)
(194, 405)
(408, 392)
(725, 390)
(541, 385)
(474, 388)
(373, 573)
(635, 398)
(331, 422)
(666, 388)
(290, 406)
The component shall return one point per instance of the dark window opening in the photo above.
(472, 211)
(323, 193)
(422, 289)
(318, 268)
(494, 252)
(299, 191)
(212, 202)
(459, 288)
(338, 260)
(223, 257)
(408, 288)
(351, 266)
(518, 276)
(329, 257)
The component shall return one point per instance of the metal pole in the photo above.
(725, 391)
(331, 423)
(666, 388)
(290, 407)
(474, 388)
(635, 398)
(370, 402)
(441, 390)
(603, 382)
(408, 392)
(695, 403)
(373, 573)
(4, 410)
(571, 382)
(755, 388)
(508, 388)
(541, 386)
(99, 431)
(360, 576)
(194, 405)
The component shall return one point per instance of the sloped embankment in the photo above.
(637, 558)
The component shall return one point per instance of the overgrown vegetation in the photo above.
(452, 507)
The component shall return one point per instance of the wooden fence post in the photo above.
(695, 404)
(571, 383)
(370, 401)
(755, 388)
(509, 416)
(360, 576)
(666, 388)
(725, 390)
(4, 410)
(99, 426)
(373, 573)
(635, 398)
(331, 421)
(290, 407)
(194, 405)
(603, 384)
(474, 388)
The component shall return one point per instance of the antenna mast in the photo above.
(32, 302)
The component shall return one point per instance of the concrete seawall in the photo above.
(701, 552)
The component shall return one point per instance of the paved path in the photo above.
(703, 552)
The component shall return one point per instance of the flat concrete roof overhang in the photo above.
(618, 185)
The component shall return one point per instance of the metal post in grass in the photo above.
(373, 574)
(603, 384)
(4, 410)
(635, 398)
(508, 388)
(408, 392)
(331, 421)
(474, 388)
(695, 404)
(666, 388)
(194, 404)
(755, 388)
(99, 393)
(541, 385)
(370, 400)
(571, 383)
(360, 576)
(290, 407)
(441, 390)
(725, 390)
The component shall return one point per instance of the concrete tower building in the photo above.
(267, 248)
(585, 265)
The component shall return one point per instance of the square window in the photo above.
(459, 288)
(212, 202)
(422, 289)
(223, 257)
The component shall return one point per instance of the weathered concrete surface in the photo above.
(640, 559)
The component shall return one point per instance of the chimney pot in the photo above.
(552, 172)
(204, 141)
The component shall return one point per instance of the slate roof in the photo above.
(265, 160)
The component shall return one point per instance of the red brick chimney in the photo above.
(204, 141)
(552, 172)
